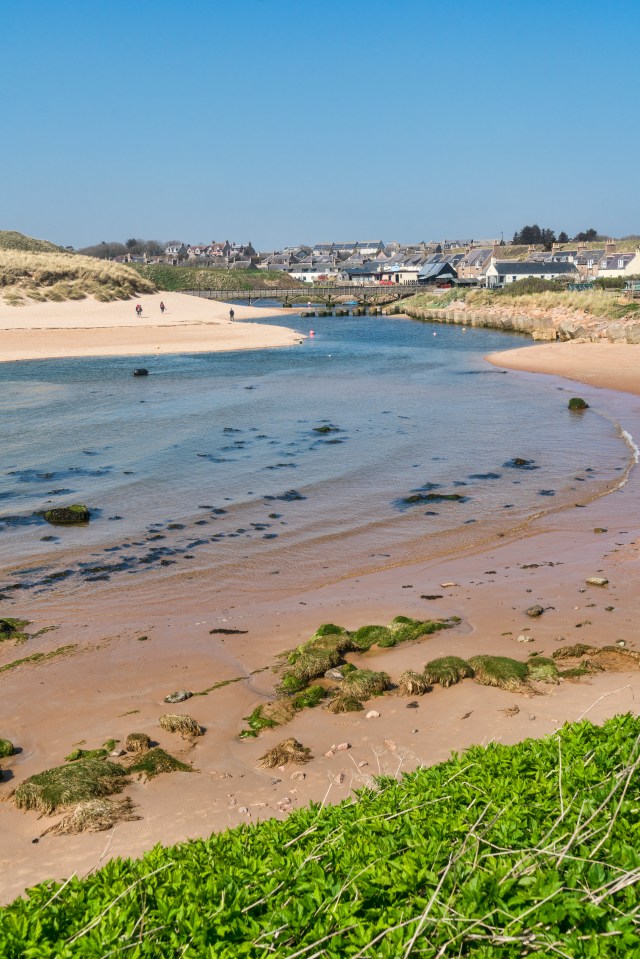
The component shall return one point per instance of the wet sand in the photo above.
(190, 324)
(113, 683)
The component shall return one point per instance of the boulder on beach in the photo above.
(68, 515)
(577, 403)
(178, 697)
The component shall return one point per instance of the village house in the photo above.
(474, 262)
(503, 272)
(437, 274)
(620, 264)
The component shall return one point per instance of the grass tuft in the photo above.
(137, 742)
(447, 671)
(288, 751)
(180, 723)
(500, 671)
(155, 761)
(94, 815)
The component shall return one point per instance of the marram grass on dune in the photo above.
(28, 276)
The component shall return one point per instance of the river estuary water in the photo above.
(293, 462)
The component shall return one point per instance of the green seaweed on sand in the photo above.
(364, 684)
(11, 628)
(257, 722)
(64, 786)
(38, 657)
(543, 669)
(412, 684)
(447, 671)
(342, 703)
(6, 748)
(155, 761)
(575, 651)
(500, 671)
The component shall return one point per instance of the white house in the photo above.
(620, 264)
(503, 272)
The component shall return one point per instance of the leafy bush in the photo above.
(502, 852)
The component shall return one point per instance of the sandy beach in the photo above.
(190, 324)
(112, 683)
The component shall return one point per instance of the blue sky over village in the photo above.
(283, 122)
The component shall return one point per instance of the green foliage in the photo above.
(543, 669)
(502, 852)
(447, 671)
(155, 761)
(577, 403)
(309, 698)
(6, 748)
(177, 278)
(77, 754)
(63, 786)
(531, 284)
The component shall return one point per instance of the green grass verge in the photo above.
(179, 278)
(501, 852)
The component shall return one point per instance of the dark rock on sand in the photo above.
(68, 515)
(178, 697)
(535, 611)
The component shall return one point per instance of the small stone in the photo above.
(600, 529)
(525, 639)
(243, 809)
(335, 674)
(118, 752)
(412, 705)
(535, 611)
(339, 779)
(178, 697)
(414, 730)
(447, 585)
(330, 753)
(531, 717)
(298, 775)
(372, 714)
(597, 581)
(362, 764)
(233, 802)
(620, 642)
(342, 746)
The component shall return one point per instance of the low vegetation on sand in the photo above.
(326, 651)
(155, 761)
(180, 723)
(288, 751)
(180, 278)
(11, 240)
(11, 628)
(27, 276)
(65, 786)
(501, 852)
(94, 815)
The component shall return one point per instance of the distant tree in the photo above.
(586, 236)
(153, 247)
(534, 236)
(132, 244)
(563, 238)
(548, 238)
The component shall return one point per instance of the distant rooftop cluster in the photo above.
(487, 262)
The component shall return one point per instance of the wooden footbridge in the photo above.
(330, 295)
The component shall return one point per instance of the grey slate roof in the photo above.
(529, 268)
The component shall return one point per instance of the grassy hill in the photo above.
(27, 275)
(176, 278)
(11, 240)
(502, 852)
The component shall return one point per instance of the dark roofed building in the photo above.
(504, 272)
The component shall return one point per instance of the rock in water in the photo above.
(178, 697)
(577, 403)
(141, 371)
(68, 515)
(597, 581)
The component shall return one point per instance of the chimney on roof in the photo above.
(610, 247)
(530, 249)
(496, 247)
(582, 246)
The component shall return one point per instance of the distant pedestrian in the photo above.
(162, 307)
(231, 314)
(138, 310)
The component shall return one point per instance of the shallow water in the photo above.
(308, 450)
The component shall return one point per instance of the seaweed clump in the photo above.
(288, 751)
(500, 671)
(180, 723)
(155, 761)
(137, 743)
(6, 748)
(543, 669)
(447, 671)
(344, 704)
(365, 684)
(95, 815)
(68, 515)
(68, 785)
(413, 684)
(13, 629)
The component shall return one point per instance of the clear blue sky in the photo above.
(285, 122)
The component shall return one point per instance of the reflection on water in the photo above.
(373, 438)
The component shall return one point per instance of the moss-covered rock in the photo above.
(6, 748)
(365, 683)
(155, 761)
(577, 403)
(500, 671)
(67, 785)
(137, 742)
(447, 671)
(68, 515)
(543, 669)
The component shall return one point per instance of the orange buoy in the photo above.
(312, 332)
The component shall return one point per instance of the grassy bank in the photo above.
(11, 240)
(40, 276)
(177, 278)
(503, 851)
(596, 303)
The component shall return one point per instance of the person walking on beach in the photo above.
(162, 307)
(231, 314)
(138, 310)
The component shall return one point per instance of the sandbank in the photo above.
(190, 324)
(613, 366)
(113, 683)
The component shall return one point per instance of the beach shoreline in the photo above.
(88, 328)
(114, 683)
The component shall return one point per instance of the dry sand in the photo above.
(115, 684)
(190, 324)
(615, 366)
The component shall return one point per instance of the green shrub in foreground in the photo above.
(502, 852)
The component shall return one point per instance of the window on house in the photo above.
(621, 264)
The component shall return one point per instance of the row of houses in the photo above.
(366, 262)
